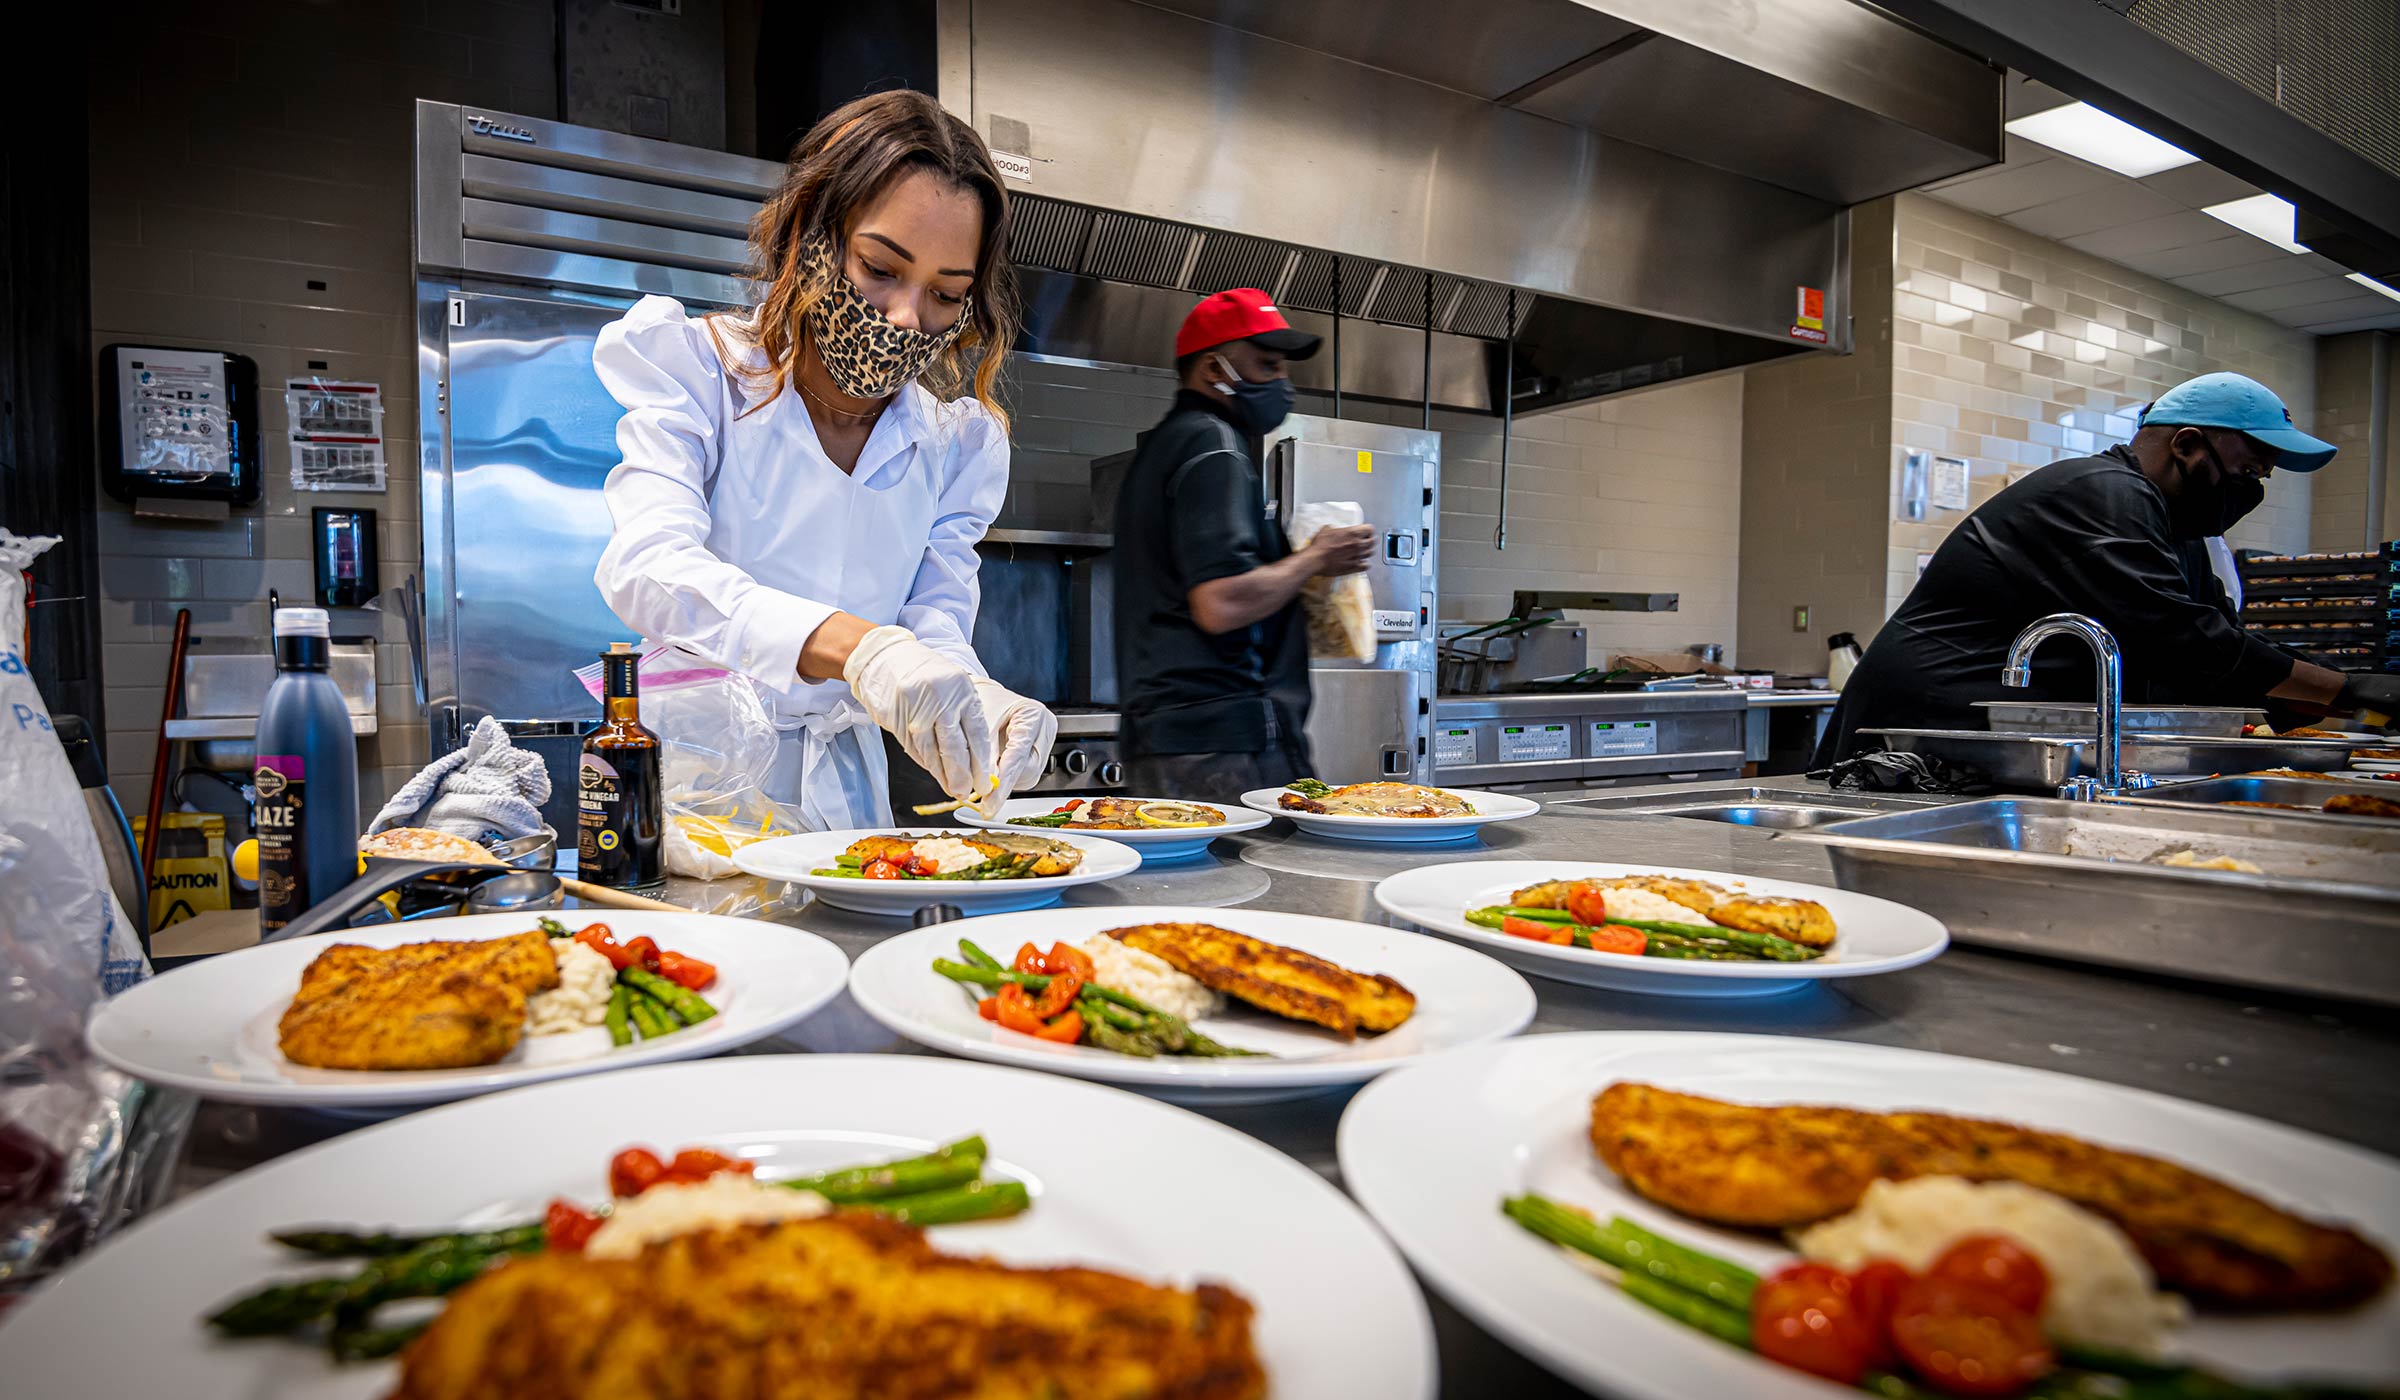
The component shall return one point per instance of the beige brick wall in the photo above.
(2014, 351)
(1816, 447)
(2338, 514)
(242, 152)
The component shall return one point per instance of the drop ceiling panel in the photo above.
(2006, 189)
(2281, 271)
(2182, 229)
(2175, 264)
(2199, 185)
(2125, 203)
(2370, 321)
(2270, 300)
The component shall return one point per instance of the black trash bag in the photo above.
(1905, 772)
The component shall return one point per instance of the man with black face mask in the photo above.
(2102, 536)
(1212, 655)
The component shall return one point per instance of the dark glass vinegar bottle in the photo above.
(619, 822)
(306, 775)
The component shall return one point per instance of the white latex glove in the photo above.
(928, 703)
(1024, 730)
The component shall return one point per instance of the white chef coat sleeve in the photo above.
(657, 572)
(943, 598)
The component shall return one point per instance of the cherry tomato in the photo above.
(1059, 995)
(1588, 903)
(700, 1162)
(1066, 1030)
(1616, 938)
(567, 1227)
(988, 1008)
(1802, 1317)
(1538, 930)
(596, 938)
(1029, 959)
(633, 1171)
(1016, 1010)
(1964, 1340)
(1874, 1291)
(642, 952)
(1071, 806)
(686, 972)
(880, 869)
(1999, 1264)
(1065, 957)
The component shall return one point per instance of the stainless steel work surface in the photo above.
(2239, 1050)
(2314, 907)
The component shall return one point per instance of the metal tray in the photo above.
(2250, 787)
(2075, 721)
(2073, 880)
(2041, 762)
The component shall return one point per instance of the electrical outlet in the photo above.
(1800, 618)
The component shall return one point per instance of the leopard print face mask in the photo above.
(867, 356)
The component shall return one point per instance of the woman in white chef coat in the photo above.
(803, 484)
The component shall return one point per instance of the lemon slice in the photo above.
(1173, 814)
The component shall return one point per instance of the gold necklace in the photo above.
(853, 415)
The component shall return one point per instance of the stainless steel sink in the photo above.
(1776, 809)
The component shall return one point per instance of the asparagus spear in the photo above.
(278, 1307)
(949, 1166)
(1719, 1284)
(374, 1343)
(976, 1200)
(360, 1245)
(1719, 1321)
(976, 956)
(685, 1003)
(649, 1017)
(619, 1017)
(429, 1270)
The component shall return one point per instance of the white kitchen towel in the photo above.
(491, 788)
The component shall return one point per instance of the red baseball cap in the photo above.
(1243, 313)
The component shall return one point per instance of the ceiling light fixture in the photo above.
(2386, 288)
(2262, 216)
(2087, 133)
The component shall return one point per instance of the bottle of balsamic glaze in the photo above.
(619, 821)
(306, 775)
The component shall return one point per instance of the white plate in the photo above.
(1160, 843)
(209, 1027)
(2372, 768)
(1118, 1182)
(1489, 807)
(1873, 935)
(793, 857)
(1463, 998)
(1515, 1117)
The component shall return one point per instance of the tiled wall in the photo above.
(1637, 493)
(243, 154)
(2013, 351)
(1816, 436)
(2338, 515)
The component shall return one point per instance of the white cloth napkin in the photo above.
(491, 788)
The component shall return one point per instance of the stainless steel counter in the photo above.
(2316, 1065)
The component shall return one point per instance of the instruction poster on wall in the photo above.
(336, 435)
(1950, 484)
(173, 415)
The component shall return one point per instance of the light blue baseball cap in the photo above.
(2248, 407)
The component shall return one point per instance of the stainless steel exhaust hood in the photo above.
(1661, 183)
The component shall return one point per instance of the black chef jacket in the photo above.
(2085, 535)
(1193, 509)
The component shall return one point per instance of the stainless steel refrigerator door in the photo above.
(1362, 725)
(1390, 487)
(520, 521)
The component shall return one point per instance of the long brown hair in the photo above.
(845, 162)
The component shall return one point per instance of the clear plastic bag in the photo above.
(716, 742)
(1340, 611)
(79, 1142)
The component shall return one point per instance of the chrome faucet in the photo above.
(2112, 776)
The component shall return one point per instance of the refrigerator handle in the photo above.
(1396, 763)
(1279, 479)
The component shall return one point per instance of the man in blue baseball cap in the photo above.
(2110, 536)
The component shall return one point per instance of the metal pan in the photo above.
(2075, 880)
(2310, 793)
(2075, 721)
(2041, 762)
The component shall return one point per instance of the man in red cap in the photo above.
(1212, 654)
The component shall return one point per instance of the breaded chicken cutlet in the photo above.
(437, 1005)
(852, 1306)
(1782, 1167)
(1802, 921)
(1295, 985)
(1379, 800)
(1045, 857)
